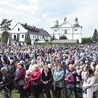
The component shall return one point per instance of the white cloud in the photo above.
(17, 10)
(87, 14)
(43, 13)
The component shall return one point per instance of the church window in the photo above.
(33, 36)
(18, 29)
(14, 37)
(22, 36)
(55, 30)
(75, 29)
(65, 31)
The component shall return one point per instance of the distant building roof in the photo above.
(35, 30)
(76, 24)
(56, 24)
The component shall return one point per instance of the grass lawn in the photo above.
(16, 95)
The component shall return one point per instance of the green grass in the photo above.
(16, 95)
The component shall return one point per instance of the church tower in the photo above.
(77, 30)
(71, 31)
(55, 29)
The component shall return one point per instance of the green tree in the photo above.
(27, 40)
(95, 35)
(5, 36)
(63, 37)
(5, 25)
(86, 40)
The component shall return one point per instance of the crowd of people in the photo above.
(50, 70)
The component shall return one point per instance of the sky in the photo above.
(44, 13)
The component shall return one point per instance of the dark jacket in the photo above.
(8, 81)
(11, 69)
(48, 78)
(20, 75)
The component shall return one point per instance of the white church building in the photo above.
(71, 31)
(20, 31)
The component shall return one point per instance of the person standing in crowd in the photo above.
(58, 80)
(7, 82)
(27, 63)
(47, 81)
(74, 74)
(0, 68)
(34, 81)
(19, 76)
(96, 85)
(84, 73)
(68, 78)
(32, 66)
(88, 86)
(11, 67)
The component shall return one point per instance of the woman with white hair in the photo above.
(34, 81)
(7, 81)
(32, 66)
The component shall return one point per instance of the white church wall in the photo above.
(56, 33)
(21, 37)
(69, 36)
(14, 35)
(68, 30)
(18, 29)
(66, 25)
(65, 30)
(77, 30)
(77, 36)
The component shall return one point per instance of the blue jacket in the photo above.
(58, 77)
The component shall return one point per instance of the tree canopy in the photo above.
(95, 35)
(5, 36)
(86, 40)
(5, 25)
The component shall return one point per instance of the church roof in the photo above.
(30, 28)
(77, 25)
(35, 30)
(56, 24)
(68, 25)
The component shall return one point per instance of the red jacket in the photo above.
(34, 76)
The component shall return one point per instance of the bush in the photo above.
(63, 37)
(27, 41)
(51, 43)
(86, 40)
